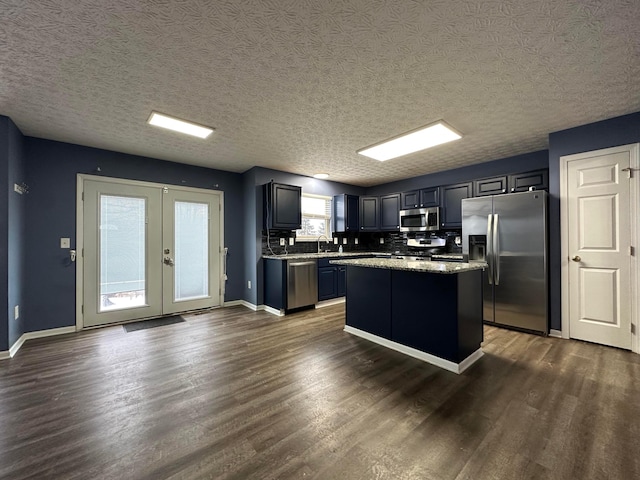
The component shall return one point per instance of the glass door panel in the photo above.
(191, 277)
(122, 252)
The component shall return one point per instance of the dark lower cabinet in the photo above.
(327, 283)
(275, 283)
(451, 197)
(342, 281)
(369, 302)
(332, 280)
(438, 314)
(450, 327)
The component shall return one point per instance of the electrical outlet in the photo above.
(335, 240)
(249, 284)
(381, 241)
(282, 242)
(344, 241)
(292, 241)
(16, 312)
(356, 241)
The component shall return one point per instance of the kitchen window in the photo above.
(316, 217)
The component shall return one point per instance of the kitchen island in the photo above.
(429, 310)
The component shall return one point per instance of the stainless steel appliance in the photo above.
(509, 232)
(420, 219)
(302, 283)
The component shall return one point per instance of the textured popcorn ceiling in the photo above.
(300, 85)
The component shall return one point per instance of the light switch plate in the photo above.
(356, 241)
(292, 241)
(65, 243)
(344, 241)
(381, 241)
(282, 242)
(335, 240)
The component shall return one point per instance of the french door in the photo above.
(148, 250)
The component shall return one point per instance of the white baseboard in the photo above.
(255, 308)
(328, 303)
(32, 335)
(555, 333)
(234, 303)
(271, 310)
(420, 355)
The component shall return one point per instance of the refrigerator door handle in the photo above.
(496, 249)
(489, 247)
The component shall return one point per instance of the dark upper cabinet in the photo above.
(409, 200)
(426, 197)
(345, 215)
(451, 197)
(390, 212)
(430, 197)
(522, 182)
(490, 186)
(282, 206)
(369, 214)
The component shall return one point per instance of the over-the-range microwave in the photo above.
(420, 219)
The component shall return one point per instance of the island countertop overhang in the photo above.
(412, 265)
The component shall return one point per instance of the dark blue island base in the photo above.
(434, 317)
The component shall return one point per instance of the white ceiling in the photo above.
(300, 85)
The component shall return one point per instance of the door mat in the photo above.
(155, 322)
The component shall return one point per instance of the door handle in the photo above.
(576, 258)
(496, 249)
(168, 261)
(489, 249)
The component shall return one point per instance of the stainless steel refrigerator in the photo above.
(509, 232)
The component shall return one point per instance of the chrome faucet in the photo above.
(319, 241)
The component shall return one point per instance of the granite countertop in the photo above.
(302, 256)
(412, 265)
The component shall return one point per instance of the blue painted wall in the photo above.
(16, 233)
(4, 228)
(253, 181)
(516, 164)
(594, 136)
(51, 209)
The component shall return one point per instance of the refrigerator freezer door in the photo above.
(476, 216)
(520, 299)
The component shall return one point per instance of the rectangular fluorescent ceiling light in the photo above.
(414, 141)
(182, 126)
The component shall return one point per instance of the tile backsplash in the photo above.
(393, 242)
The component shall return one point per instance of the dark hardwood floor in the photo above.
(245, 395)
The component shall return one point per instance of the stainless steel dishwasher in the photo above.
(302, 283)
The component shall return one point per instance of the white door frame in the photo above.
(80, 235)
(634, 197)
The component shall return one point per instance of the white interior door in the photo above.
(598, 212)
(148, 250)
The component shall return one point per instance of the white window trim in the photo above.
(311, 215)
